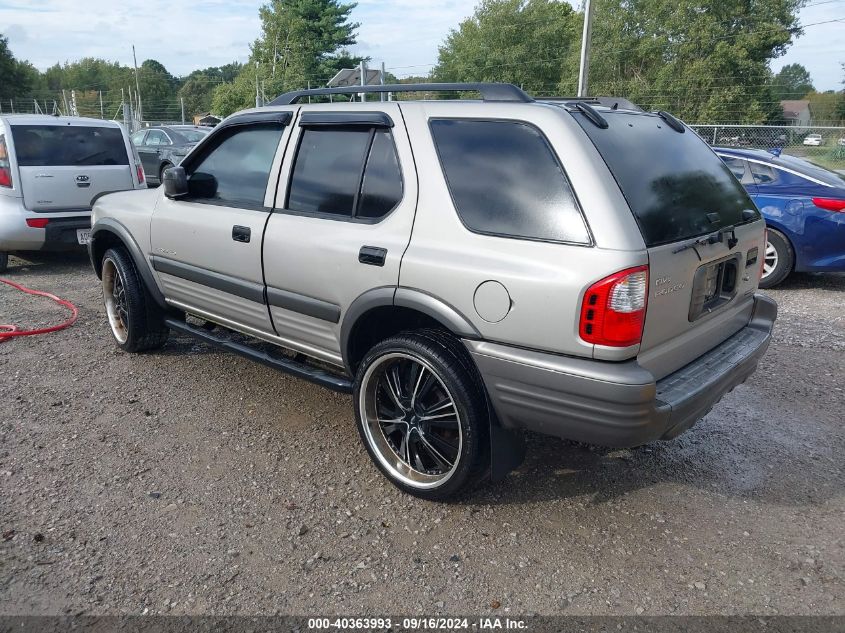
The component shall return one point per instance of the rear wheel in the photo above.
(777, 260)
(422, 414)
(163, 169)
(136, 322)
(4, 261)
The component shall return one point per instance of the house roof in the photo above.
(794, 107)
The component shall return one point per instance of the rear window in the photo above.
(676, 186)
(505, 180)
(65, 145)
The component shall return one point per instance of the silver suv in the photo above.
(52, 169)
(466, 268)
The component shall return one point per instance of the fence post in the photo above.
(714, 134)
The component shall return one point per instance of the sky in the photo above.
(404, 34)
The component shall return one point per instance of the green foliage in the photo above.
(17, 78)
(792, 82)
(530, 43)
(301, 42)
(825, 107)
(705, 61)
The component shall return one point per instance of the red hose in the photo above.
(7, 332)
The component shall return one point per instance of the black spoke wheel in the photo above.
(421, 414)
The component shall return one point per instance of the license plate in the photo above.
(83, 236)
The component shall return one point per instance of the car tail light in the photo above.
(37, 223)
(830, 204)
(139, 169)
(5, 171)
(613, 311)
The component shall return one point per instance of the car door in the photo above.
(149, 152)
(206, 246)
(342, 220)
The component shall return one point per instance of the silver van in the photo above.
(52, 169)
(467, 269)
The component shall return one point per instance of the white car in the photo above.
(52, 169)
(813, 139)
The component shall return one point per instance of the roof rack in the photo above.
(613, 103)
(489, 91)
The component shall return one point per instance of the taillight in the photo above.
(37, 223)
(5, 171)
(830, 204)
(613, 312)
(139, 169)
(763, 258)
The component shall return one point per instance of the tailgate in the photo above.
(703, 234)
(695, 304)
(62, 188)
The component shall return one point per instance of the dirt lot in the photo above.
(191, 481)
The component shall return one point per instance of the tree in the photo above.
(704, 60)
(158, 92)
(301, 42)
(840, 109)
(19, 78)
(825, 107)
(530, 43)
(792, 82)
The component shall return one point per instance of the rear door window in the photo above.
(676, 187)
(506, 180)
(235, 170)
(68, 145)
(763, 174)
(348, 172)
(739, 168)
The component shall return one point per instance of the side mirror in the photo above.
(175, 183)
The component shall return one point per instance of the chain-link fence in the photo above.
(822, 145)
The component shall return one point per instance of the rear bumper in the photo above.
(617, 404)
(60, 233)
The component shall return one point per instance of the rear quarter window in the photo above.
(68, 145)
(676, 187)
(505, 180)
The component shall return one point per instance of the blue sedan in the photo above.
(804, 208)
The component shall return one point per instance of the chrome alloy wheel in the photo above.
(410, 420)
(770, 261)
(114, 296)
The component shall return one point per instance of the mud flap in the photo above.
(507, 450)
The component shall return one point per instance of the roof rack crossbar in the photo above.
(489, 91)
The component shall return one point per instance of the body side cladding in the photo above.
(224, 283)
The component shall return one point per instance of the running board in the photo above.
(289, 366)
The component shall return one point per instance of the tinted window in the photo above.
(327, 175)
(193, 136)
(138, 137)
(763, 174)
(736, 165)
(811, 169)
(505, 180)
(58, 145)
(381, 189)
(237, 169)
(156, 137)
(673, 182)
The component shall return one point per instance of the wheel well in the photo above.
(381, 323)
(103, 242)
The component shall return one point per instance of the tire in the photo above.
(4, 261)
(161, 171)
(136, 321)
(778, 259)
(410, 377)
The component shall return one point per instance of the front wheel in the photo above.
(778, 259)
(136, 322)
(422, 414)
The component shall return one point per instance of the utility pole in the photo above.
(64, 100)
(182, 103)
(73, 109)
(585, 49)
(102, 114)
(381, 81)
(258, 103)
(138, 84)
(363, 69)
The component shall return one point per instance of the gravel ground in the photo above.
(192, 481)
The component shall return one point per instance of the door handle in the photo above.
(372, 255)
(241, 233)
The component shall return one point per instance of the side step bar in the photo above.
(289, 366)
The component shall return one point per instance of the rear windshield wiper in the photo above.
(713, 238)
